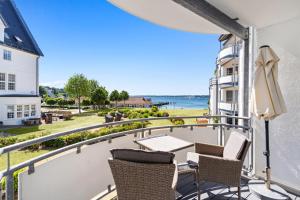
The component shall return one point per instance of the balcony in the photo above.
(227, 54)
(228, 79)
(228, 106)
(80, 171)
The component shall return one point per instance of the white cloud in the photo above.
(57, 84)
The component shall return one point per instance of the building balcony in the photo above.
(228, 106)
(227, 54)
(228, 79)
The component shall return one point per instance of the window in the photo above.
(19, 111)
(232, 96)
(26, 110)
(11, 82)
(6, 55)
(33, 110)
(229, 71)
(10, 112)
(2, 81)
(229, 96)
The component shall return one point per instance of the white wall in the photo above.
(4, 101)
(23, 65)
(284, 130)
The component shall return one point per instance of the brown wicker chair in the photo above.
(144, 181)
(223, 164)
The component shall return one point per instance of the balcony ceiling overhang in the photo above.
(171, 14)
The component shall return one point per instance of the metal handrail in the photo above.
(27, 143)
(30, 163)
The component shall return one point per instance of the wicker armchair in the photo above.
(223, 164)
(144, 181)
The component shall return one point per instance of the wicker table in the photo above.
(163, 143)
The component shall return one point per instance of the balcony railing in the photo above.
(227, 79)
(86, 161)
(226, 54)
(229, 106)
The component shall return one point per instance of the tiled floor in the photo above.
(188, 191)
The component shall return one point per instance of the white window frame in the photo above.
(11, 82)
(19, 111)
(26, 111)
(7, 55)
(33, 110)
(10, 111)
(3, 81)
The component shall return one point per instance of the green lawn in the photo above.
(19, 156)
(85, 119)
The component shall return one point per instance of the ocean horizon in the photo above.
(179, 101)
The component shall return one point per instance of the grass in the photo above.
(85, 119)
(17, 157)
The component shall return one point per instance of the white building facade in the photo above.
(19, 68)
(224, 89)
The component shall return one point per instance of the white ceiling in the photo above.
(258, 13)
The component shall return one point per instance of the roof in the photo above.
(17, 34)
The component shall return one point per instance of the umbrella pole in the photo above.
(267, 154)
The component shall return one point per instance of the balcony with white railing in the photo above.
(227, 54)
(228, 79)
(81, 171)
(228, 106)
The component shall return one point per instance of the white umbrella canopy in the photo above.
(266, 100)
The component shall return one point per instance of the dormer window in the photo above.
(18, 39)
(6, 55)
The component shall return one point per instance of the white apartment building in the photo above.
(19, 68)
(224, 86)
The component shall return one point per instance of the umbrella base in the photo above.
(258, 188)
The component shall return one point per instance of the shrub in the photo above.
(55, 143)
(51, 101)
(145, 115)
(7, 141)
(154, 108)
(177, 121)
(74, 138)
(102, 113)
(165, 114)
(16, 177)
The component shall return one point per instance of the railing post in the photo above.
(9, 186)
(220, 135)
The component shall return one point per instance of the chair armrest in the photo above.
(175, 178)
(209, 149)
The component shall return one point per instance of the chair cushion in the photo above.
(235, 146)
(134, 155)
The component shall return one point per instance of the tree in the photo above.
(99, 96)
(86, 102)
(42, 91)
(124, 96)
(114, 96)
(93, 85)
(77, 87)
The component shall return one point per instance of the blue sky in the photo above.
(119, 50)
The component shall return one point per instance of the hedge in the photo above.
(71, 139)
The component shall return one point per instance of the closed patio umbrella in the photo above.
(266, 98)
